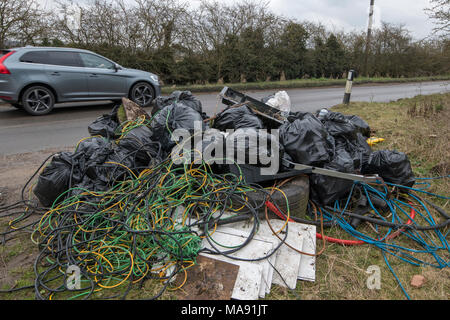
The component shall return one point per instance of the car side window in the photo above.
(63, 58)
(35, 57)
(93, 61)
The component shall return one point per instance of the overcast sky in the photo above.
(349, 14)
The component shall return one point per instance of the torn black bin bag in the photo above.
(139, 143)
(57, 177)
(392, 166)
(306, 140)
(104, 126)
(237, 118)
(325, 190)
(173, 117)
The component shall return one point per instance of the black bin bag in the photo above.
(237, 118)
(357, 148)
(57, 177)
(184, 97)
(339, 126)
(138, 142)
(109, 164)
(104, 126)
(325, 190)
(173, 117)
(392, 166)
(255, 147)
(91, 145)
(360, 125)
(306, 140)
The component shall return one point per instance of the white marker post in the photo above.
(348, 87)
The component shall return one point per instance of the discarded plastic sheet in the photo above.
(289, 263)
(281, 101)
(247, 288)
(307, 270)
(258, 248)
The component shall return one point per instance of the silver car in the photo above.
(36, 78)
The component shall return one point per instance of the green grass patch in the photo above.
(294, 84)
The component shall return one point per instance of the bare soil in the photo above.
(18, 254)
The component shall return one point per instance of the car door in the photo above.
(66, 75)
(104, 80)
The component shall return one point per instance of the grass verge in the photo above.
(298, 83)
(420, 128)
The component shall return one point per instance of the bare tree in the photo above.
(99, 22)
(439, 12)
(21, 22)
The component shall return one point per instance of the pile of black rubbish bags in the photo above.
(326, 139)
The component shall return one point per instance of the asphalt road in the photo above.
(67, 124)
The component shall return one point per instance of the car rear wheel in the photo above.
(143, 94)
(38, 100)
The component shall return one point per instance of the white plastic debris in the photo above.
(282, 102)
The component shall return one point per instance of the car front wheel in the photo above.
(38, 100)
(143, 94)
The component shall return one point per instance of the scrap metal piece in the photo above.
(336, 174)
(232, 97)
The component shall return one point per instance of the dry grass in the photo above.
(420, 127)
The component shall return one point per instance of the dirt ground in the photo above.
(17, 257)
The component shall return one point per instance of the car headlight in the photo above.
(154, 78)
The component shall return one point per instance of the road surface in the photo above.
(68, 123)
